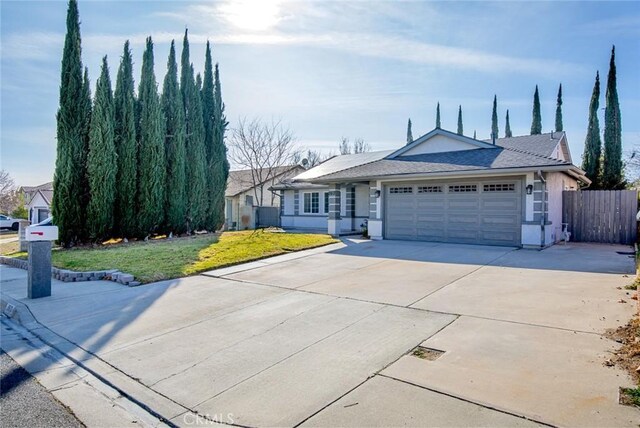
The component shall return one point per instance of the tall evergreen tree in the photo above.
(126, 148)
(70, 171)
(409, 132)
(220, 149)
(536, 123)
(208, 111)
(87, 105)
(438, 125)
(460, 128)
(197, 194)
(474, 134)
(101, 161)
(507, 127)
(494, 118)
(612, 175)
(152, 166)
(559, 126)
(592, 144)
(176, 200)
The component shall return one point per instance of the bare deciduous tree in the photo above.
(359, 146)
(264, 148)
(10, 197)
(312, 158)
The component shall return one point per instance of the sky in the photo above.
(332, 69)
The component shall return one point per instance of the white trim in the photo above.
(470, 174)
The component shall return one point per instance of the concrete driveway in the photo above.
(325, 337)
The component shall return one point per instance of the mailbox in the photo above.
(41, 233)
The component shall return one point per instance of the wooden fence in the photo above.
(607, 216)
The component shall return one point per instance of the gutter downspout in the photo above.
(543, 214)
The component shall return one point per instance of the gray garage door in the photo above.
(478, 212)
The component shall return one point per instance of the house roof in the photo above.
(529, 152)
(242, 180)
(45, 186)
(340, 163)
(541, 144)
(496, 158)
(46, 190)
(295, 185)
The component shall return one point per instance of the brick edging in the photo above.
(67, 275)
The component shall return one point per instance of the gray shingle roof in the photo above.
(458, 161)
(541, 144)
(241, 180)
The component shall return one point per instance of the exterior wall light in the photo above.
(529, 189)
(377, 193)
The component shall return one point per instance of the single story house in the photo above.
(441, 187)
(245, 191)
(38, 201)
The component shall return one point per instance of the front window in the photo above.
(326, 202)
(311, 203)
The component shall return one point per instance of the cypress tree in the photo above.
(208, 112)
(460, 129)
(126, 148)
(176, 203)
(409, 133)
(592, 145)
(507, 127)
(559, 126)
(70, 171)
(494, 118)
(612, 176)
(152, 166)
(220, 149)
(438, 116)
(536, 123)
(86, 102)
(197, 194)
(101, 161)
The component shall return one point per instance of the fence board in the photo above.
(607, 216)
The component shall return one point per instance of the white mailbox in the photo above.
(41, 233)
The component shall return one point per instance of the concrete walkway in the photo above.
(324, 337)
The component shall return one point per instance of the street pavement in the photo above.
(26, 403)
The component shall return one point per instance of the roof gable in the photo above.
(439, 141)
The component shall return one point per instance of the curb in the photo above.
(104, 386)
(67, 275)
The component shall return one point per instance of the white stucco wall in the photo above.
(438, 144)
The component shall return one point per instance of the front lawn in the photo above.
(165, 259)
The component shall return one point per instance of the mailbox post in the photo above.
(40, 239)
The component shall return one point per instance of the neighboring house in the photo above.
(441, 187)
(38, 201)
(242, 195)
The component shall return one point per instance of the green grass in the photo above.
(632, 395)
(166, 259)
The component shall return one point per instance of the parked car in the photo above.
(46, 222)
(7, 222)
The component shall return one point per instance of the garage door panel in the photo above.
(466, 204)
(484, 212)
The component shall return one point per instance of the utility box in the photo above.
(40, 240)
